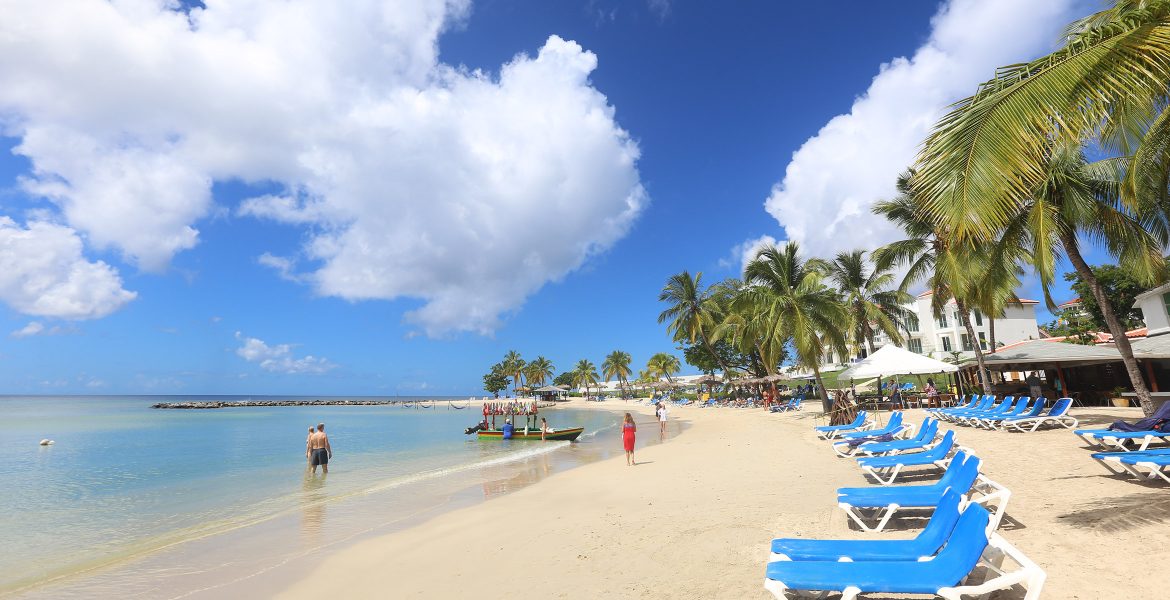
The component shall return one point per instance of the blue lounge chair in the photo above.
(1121, 440)
(860, 423)
(944, 575)
(937, 412)
(1109, 460)
(983, 404)
(1024, 411)
(1155, 465)
(1003, 408)
(991, 406)
(925, 545)
(883, 502)
(885, 469)
(925, 437)
(893, 427)
(1057, 415)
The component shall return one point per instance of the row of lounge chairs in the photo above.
(1011, 414)
(1127, 446)
(943, 559)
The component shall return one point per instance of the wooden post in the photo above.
(1150, 374)
(1063, 385)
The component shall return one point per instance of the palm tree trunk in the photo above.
(991, 333)
(965, 317)
(1069, 240)
(821, 388)
(711, 349)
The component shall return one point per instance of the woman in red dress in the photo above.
(628, 430)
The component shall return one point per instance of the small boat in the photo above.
(533, 434)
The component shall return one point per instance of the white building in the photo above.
(937, 337)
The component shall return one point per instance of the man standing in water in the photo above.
(320, 450)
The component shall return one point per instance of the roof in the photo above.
(1073, 302)
(1025, 356)
(1152, 347)
(1165, 287)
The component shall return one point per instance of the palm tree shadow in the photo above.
(1121, 514)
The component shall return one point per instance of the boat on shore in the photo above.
(567, 435)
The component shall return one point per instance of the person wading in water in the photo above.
(319, 450)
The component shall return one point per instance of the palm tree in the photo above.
(664, 365)
(691, 312)
(584, 375)
(931, 254)
(617, 366)
(539, 371)
(789, 302)
(1078, 197)
(868, 298)
(1109, 82)
(514, 366)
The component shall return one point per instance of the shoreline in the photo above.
(694, 519)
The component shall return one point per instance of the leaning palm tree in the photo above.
(664, 365)
(585, 375)
(514, 366)
(692, 313)
(872, 304)
(539, 370)
(933, 255)
(1082, 198)
(790, 302)
(617, 366)
(1110, 82)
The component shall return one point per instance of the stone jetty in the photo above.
(265, 403)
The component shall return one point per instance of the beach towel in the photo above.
(1159, 421)
(889, 437)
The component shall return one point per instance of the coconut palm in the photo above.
(868, 298)
(585, 375)
(539, 371)
(789, 302)
(664, 365)
(692, 313)
(1109, 82)
(617, 366)
(514, 366)
(746, 326)
(933, 255)
(1082, 199)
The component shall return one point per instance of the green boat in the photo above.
(533, 434)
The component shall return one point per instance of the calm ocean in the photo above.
(133, 501)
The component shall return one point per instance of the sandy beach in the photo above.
(694, 517)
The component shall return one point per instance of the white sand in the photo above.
(695, 518)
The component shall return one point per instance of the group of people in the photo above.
(508, 430)
(317, 449)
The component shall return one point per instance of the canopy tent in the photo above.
(892, 360)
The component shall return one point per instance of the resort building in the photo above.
(942, 335)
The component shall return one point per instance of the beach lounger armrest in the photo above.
(1027, 574)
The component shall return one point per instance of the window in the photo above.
(942, 321)
(946, 343)
(914, 345)
(912, 323)
(982, 340)
(966, 342)
(978, 318)
(1166, 302)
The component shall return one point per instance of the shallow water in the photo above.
(132, 501)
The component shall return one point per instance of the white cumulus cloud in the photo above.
(279, 358)
(833, 180)
(43, 273)
(33, 328)
(465, 190)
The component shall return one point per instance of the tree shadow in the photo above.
(1121, 514)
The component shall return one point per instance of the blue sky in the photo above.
(390, 213)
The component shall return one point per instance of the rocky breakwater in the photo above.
(205, 404)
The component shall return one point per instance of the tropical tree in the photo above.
(1082, 199)
(585, 375)
(496, 380)
(539, 371)
(691, 312)
(617, 366)
(931, 253)
(871, 303)
(1109, 82)
(663, 365)
(514, 366)
(785, 299)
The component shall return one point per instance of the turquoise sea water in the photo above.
(127, 493)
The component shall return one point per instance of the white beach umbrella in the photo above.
(892, 360)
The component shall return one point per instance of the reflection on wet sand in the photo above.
(532, 471)
(313, 499)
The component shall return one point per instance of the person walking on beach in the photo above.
(629, 429)
(308, 440)
(320, 450)
(662, 419)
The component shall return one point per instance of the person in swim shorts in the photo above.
(319, 450)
